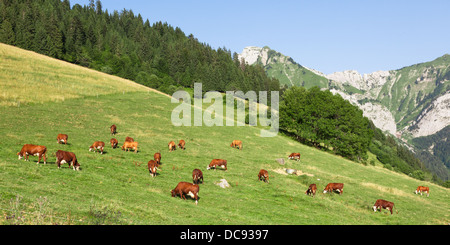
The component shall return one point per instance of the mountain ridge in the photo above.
(408, 103)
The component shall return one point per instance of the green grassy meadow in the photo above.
(116, 187)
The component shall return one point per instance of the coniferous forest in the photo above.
(163, 57)
(124, 44)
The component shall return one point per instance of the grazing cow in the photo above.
(185, 188)
(113, 129)
(152, 167)
(217, 163)
(197, 175)
(182, 144)
(67, 157)
(236, 143)
(172, 146)
(157, 157)
(97, 146)
(263, 174)
(294, 156)
(132, 145)
(311, 190)
(129, 139)
(380, 203)
(422, 189)
(334, 187)
(114, 143)
(62, 138)
(33, 150)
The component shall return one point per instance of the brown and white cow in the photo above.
(236, 144)
(113, 129)
(263, 175)
(294, 156)
(182, 144)
(185, 188)
(130, 145)
(97, 146)
(172, 146)
(311, 190)
(422, 189)
(217, 163)
(33, 150)
(67, 157)
(380, 203)
(152, 167)
(339, 187)
(114, 143)
(129, 139)
(62, 139)
(197, 174)
(157, 157)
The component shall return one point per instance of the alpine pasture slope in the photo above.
(116, 187)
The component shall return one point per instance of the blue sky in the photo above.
(328, 36)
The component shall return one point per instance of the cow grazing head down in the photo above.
(62, 138)
(294, 156)
(113, 129)
(311, 190)
(186, 188)
(197, 175)
(182, 144)
(263, 175)
(380, 203)
(157, 157)
(422, 189)
(217, 163)
(172, 146)
(236, 144)
(152, 167)
(97, 146)
(67, 157)
(33, 150)
(338, 187)
(130, 145)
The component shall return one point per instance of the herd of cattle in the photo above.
(183, 188)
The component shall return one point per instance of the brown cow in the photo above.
(172, 146)
(132, 145)
(422, 189)
(380, 203)
(263, 174)
(157, 157)
(62, 138)
(218, 163)
(114, 143)
(294, 156)
(339, 187)
(188, 189)
(197, 175)
(113, 129)
(311, 190)
(182, 144)
(237, 144)
(33, 150)
(129, 139)
(67, 157)
(97, 146)
(152, 167)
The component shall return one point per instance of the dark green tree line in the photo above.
(326, 121)
(123, 44)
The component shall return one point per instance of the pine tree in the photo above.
(7, 34)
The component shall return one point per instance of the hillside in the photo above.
(408, 103)
(116, 188)
(283, 68)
